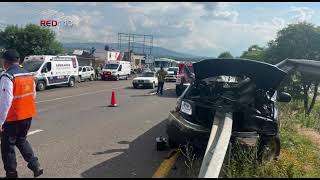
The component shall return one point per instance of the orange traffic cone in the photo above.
(113, 99)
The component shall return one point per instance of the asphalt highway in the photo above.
(76, 134)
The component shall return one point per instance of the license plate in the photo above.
(140, 85)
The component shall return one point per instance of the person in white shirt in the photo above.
(17, 97)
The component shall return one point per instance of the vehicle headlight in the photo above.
(186, 108)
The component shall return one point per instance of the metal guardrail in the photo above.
(217, 146)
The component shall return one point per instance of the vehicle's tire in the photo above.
(127, 77)
(71, 82)
(91, 78)
(41, 85)
(118, 78)
(153, 85)
(269, 148)
(134, 86)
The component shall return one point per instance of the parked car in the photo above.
(86, 73)
(184, 77)
(146, 79)
(237, 86)
(172, 74)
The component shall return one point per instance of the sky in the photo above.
(198, 28)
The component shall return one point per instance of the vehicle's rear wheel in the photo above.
(71, 82)
(41, 86)
(153, 85)
(269, 148)
(127, 77)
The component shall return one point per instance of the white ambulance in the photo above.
(116, 70)
(52, 70)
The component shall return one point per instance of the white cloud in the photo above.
(217, 11)
(304, 13)
(205, 28)
(86, 26)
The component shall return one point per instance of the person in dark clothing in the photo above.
(161, 74)
(17, 97)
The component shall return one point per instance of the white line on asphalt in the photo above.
(35, 131)
(66, 97)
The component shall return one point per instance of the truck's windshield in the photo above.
(32, 66)
(111, 66)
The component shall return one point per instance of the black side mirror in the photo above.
(284, 97)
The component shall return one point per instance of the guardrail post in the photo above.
(217, 145)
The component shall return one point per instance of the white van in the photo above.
(116, 70)
(52, 70)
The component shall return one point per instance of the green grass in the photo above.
(299, 158)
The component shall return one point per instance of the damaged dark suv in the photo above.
(245, 88)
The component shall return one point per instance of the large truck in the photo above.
(184, 77)
(51, 70)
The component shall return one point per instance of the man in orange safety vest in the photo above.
(17, 97)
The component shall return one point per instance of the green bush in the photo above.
(299, 158)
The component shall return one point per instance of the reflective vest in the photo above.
(23, 103)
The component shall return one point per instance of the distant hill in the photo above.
(156, 51)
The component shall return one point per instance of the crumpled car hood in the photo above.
(263, 74)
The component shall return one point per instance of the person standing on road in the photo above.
(97, 72)
(161, 74)
(17, 97)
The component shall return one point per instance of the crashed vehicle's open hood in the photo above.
(263, 74)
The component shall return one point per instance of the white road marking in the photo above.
(35, 131)
(66, 97)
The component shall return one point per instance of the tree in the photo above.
(297, 41)
(30, 40)
(225, 55)
(254, 52)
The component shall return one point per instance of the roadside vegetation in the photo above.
(300, 155)
(299, 119)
